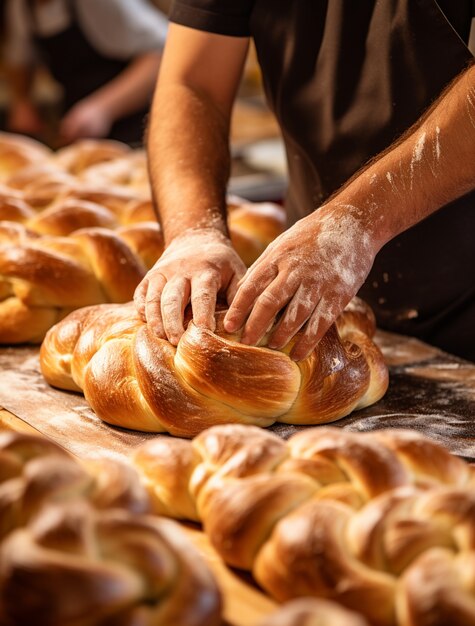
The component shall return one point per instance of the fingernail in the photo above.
(230, 325)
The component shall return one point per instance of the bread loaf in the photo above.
(383, 523)
(77, 548)
(35, 471)
(17, 152)
(313, 612)
(85, 153)
(43, 279)
(133, 379)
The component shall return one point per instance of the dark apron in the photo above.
(81, 70)
(345, 79)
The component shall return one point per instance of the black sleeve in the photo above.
(224, 17)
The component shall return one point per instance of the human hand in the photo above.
(313, 270)
(86, 119)
(195, 267)
(23, 117)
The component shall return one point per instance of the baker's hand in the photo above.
(86, 119)
(195, 267)
(313, 270)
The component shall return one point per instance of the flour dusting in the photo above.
(417, 154)
(437, 151)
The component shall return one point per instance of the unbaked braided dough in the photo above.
(76, 547)
(383, 523)
(134, 379)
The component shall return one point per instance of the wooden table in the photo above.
(429, 391)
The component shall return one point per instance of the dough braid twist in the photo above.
(313, 612)
(383, 523)
(76, 547)
(35, 471)
(133, 379)
(43, 279)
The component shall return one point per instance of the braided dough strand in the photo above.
(134, 379)
(383, 523)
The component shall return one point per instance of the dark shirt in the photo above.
(344, 80)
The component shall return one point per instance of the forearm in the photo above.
(131, 90)
(433, 164)
(189, 160)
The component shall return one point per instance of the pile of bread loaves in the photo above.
(352, 529)
(83, 216)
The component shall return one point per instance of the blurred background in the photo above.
(259, 165)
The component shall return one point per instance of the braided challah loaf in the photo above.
(85, 153)
(17, 152)
(133, 379)
(35, 471)
(383, 523)
(43, 279)
(76, 547)
(76, 565)
(313, 612)
(252, 226)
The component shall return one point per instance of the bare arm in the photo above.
(319, 264)
(189, 166)
(128, 92)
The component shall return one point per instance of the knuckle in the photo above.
(268, 299)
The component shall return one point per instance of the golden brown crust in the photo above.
(35, 471)
(18, 151)
(64, 217)
(85, 153)
(145, 239)
(363, 519)
(253, 226)
(58, 274)
(77, 547)
(95, 567)
(313, 612)
(139, 381)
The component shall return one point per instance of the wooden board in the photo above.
(429, 390)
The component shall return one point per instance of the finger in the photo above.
(249, 289)
(203, 300)
(320, 321)
(153, 296)
(298, 311)
(175, 297)
(266, 307)
(139, 298)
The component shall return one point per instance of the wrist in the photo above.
(355, 222)
(205, 233)
(209, 222)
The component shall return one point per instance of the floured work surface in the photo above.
(429, 391)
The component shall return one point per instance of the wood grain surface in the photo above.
(429, 390)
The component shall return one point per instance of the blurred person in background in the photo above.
(105, 54)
